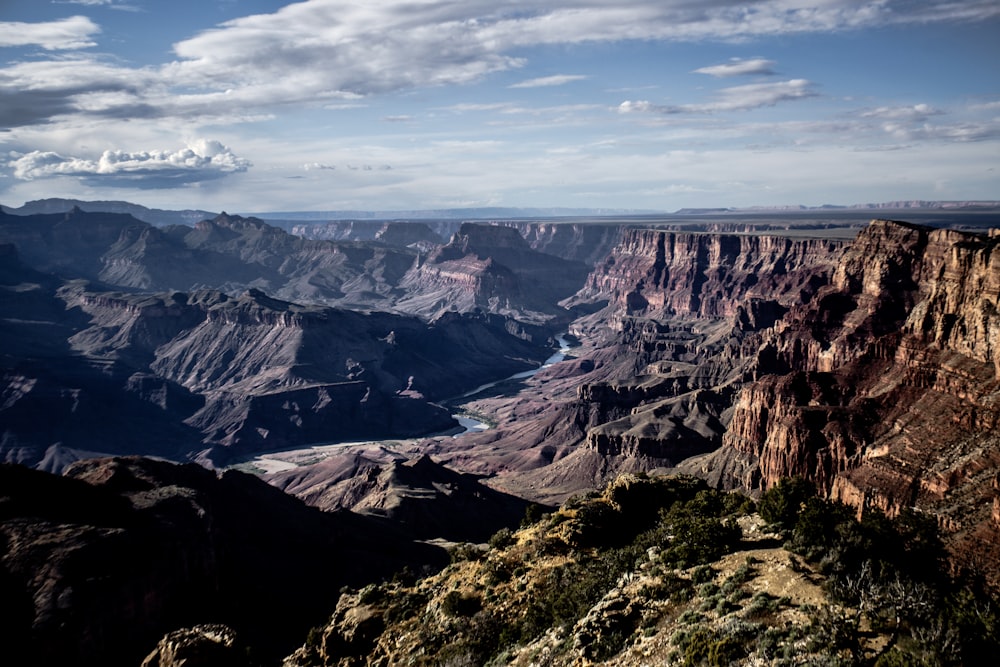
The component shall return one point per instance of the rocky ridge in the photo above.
(225, 376)
(664, 570)
(428, 500)
(392, 266)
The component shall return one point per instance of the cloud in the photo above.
(325, 52)
(736, 98)
(917, 112)
(201, 160)
(110, 4)
(556, 80)
(36, 92)
(738, 67)
(74, 32)
(473, 106)
(642, 106)
(322, 50)
(756, 95)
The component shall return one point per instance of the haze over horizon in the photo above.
(256, 105)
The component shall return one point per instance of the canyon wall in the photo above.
(884, 389)
(868, 367)
(686, 310)
(664, 275)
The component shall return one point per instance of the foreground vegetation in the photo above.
(664, 570)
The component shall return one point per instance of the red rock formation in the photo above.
(884, 389)
(671, 274)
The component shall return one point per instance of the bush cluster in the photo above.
(893, 573)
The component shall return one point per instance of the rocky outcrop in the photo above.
(406, 234)
(97, 565)
(210, 645)
(428, 500)
(584, 242)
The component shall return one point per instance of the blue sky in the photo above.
(250, 105)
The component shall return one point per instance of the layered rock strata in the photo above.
(492, 268)
(884, 389)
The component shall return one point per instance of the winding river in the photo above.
(289, 459)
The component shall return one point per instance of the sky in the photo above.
(254, 105)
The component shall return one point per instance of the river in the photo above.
(290, 459)
(558, 356)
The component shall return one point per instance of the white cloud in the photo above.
(201, 160)
(756, 95)
(736, 98)
(472, 106)
(325, 52)
(110, 4)
(641, 106)
(738, 67)
(556, 80)
(917, 112)
(74, 32)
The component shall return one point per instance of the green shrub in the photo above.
(698, 540)
(466, 552)
(502, 539)
(781, 503)
(702, 574)
(702, 646)
(459, 604)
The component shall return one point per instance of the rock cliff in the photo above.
(870, 368)
(884, 389)
(665, 275)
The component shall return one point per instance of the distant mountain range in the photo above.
(162, 218)
(153, 216)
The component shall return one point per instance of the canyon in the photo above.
(864, 359)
